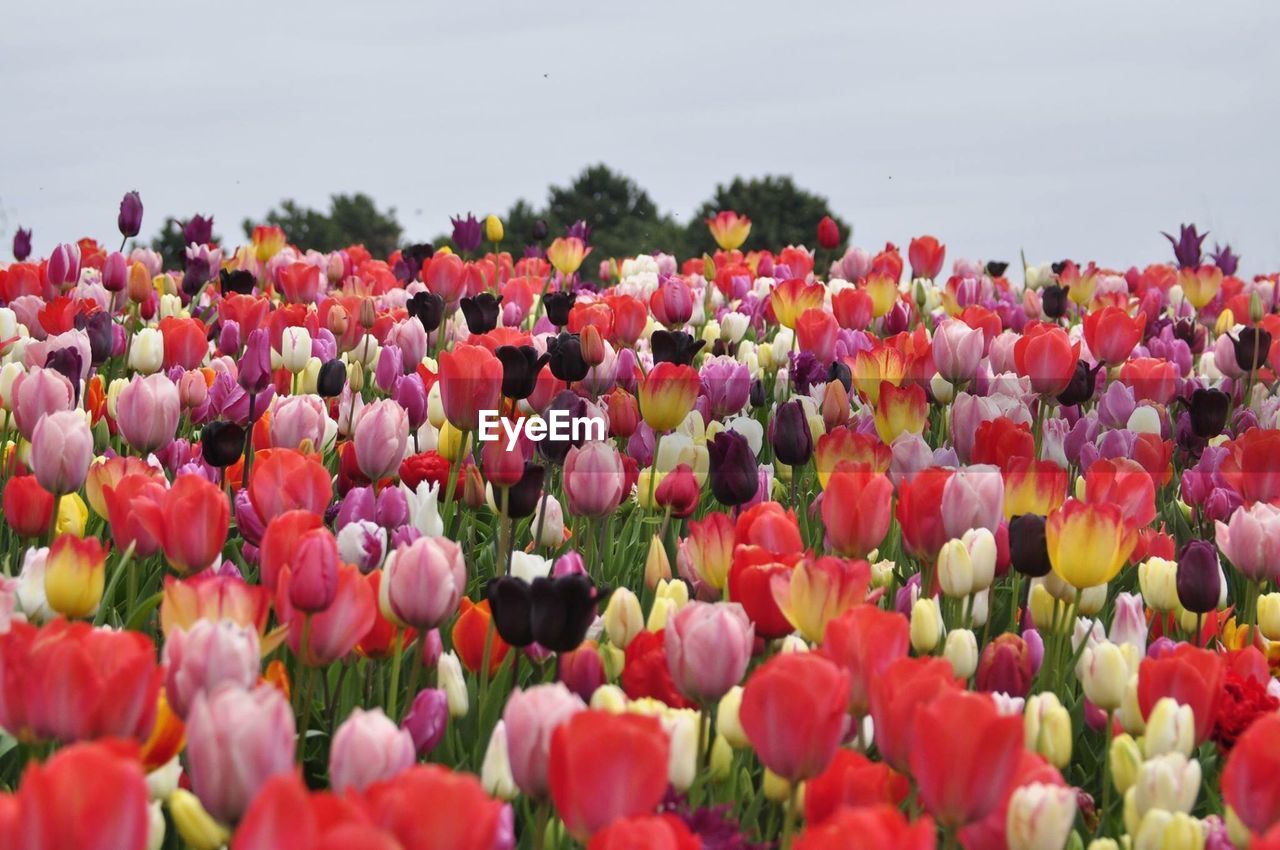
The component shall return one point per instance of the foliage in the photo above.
(351, 220)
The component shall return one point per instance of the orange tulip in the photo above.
(1033, 487)
(471, 631)
(286, 480)
(168, 736)
(1088, 543)
(268, 241)
(792, 298)
(818, 590)
(900, 410)
(667, 394)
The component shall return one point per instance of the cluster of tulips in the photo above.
(852, 553)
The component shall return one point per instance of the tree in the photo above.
(781, 214)
(351, 220)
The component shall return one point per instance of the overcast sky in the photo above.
(1076, 129)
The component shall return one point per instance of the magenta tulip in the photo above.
(148, 411)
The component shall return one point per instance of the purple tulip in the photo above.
(130, 219)
(22, 245)
(467, 233)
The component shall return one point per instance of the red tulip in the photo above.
(1253, 466)
(337, 629)
(999, 441)
(429, 806)
(284, 815)
(470, 382)
(919, 512)
(857, 506)
(186, 342)
(28, 507)
(926, 255)
(197, 517)
(852, 780)
(605, 767)
(770, 526)
(1111, 333)
(989, 832)
(816, 333)
(86, 797)
(286, 480)
(280, 542)
(1251, 779)
(135, 511)
(794, 713)
(1124, 483)
(207, 596)
(906, 686)
(844, 444)
(751, 585)
(1045, 355)
(852, 309)
(876, 828)
(1191, 676)
(1151, 378)
(963, 777)
(651, 832)
(828, 233)
(864, 641)
(646, 673)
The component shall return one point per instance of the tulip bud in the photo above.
(1171, 728)
(623, 619)
(493, 229)
(1269, 615)
(1047, 729)
(427, 720)
(1170, 782)
(495, 771)
(550, 528)
(295, 349)
(955, 570)
(196, 826)
(609, 698)
(146, 351)
(1130, 714)
(657, 566)
(961, 649)
(1199, 576)
(683, 759)
(775, 788)
(721, 759)
(1040, 816)
(1125, 759)
(449, 677)
(1104, 673)
(1158, 579)
(1162, 830)
(74, 576)
(727, 722)
(926, 625)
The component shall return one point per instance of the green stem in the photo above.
(121, 567)
(393, 691)
(789, 817)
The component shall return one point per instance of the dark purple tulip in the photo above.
(511, 603)
(1028, 549)
(1225, 259)
(558, 305)
(481, 312)
(22, 244)
(790, 435)
(238, 282)
(562, 610)
(199, 230)
(1252, 347)
(523, 496)
(415, 255)
(1199, 578)
(1053, 300)
(1209, 412)
(576, 408)
(467, 233)
(520, 368)
(674, 347)
(427, 720)
(68, 363)
(734, 473)
(1187, 247)
(255, 365)
(580, 229)
(540, 229)
(1081, 386)
(332, 378)
(566, 360)
(221, 443)
(427, 308)
(130, 219)
(98, 327)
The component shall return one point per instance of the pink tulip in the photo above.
(957, 350)
(1129, 622)
(428, 719)
(423, 583)
(36, 394)
(531, 716)
(148, 412)
(368, 748)
(209, 654)
(61, 450)
(63, 267)
(381, 435)
(593, 479)
(1251, 540)
(973, 497)
(237, 739)
(708, 648)
(298, 419)
(313, 571)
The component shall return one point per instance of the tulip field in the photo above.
(490, 546)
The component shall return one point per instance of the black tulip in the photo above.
(1199, 578)
(332, 378)
(520, 367)
(566, 361)
(68, 363)
(1059, 266)
(790, 435)
(575, 407)
(735, 477)
(674, 347)
(221, 443)
(1053, 300)
(481, 312)
(523, 496)
(757, 397)
(239, 282)
(563, 609)
(1192, 333)
(101, 333)
(540, 229)
(197, 274)
(842, 373)
(558, 305)
(1208, 408)
(511, 603)
(1028, 549)
(1252, 347)
(996, 269)
(416, 255)
(427, 308)
(1081, 386)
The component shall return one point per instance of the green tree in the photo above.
(171, 245)
(351, 220)
(781, 214)
(624, 220)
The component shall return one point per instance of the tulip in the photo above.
(1045, 355)
(149, 408)
(1104, 673)
(1199, 577)
(593, 479)
(470, 382)
(733, 469)
(667, 394)
(926, 625)
(206, 596)
(337, 629)
(236, 740)
(729, 230)
(793, 712)
(1170, 728)
(312, 577)
(22, 244)
(591, 792)
(1157, 578)
(926, 254)
(381, 437)
(904, 686)
(708, 648)
(472, 638)
(368, 748)
(1040, 816)
(957, 349)
(919, 512)
(706, 554)
(74, 576)
(961, 649)
(1191, 676)
(427, 720)
(285, 480)
(1251, 780)
(864, 641)
(61, 449)
(1088, 543)
(532, 717)
(60, 809)
(1047, 728)
(146, 351)
(900, 410)
(196, 519)
(423, 583)
(28, 507)
(857, 505)
(817, 591)
(209, 654)
(567, 253)
(1251, 540)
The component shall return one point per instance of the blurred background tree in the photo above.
(351, 220)
(781, 214)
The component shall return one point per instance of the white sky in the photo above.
(1075, 129)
